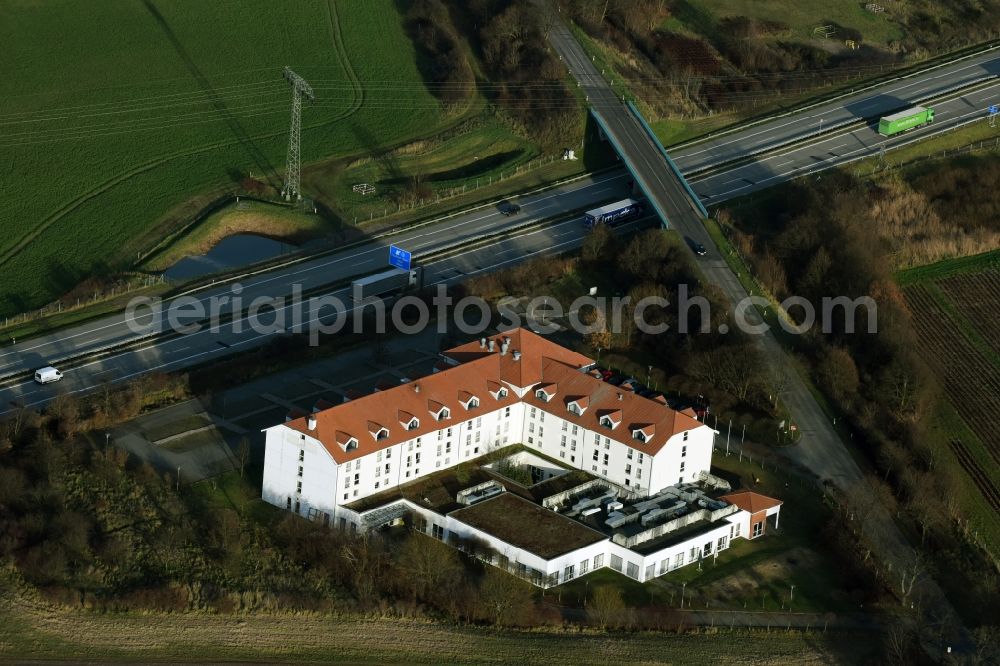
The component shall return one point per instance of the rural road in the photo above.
(820, 448)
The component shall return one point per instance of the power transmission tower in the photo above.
(300, 89)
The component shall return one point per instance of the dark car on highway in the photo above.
(511, 209)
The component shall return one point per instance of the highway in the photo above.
(880, 100)
(776, 166)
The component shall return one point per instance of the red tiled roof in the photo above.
(532, 347)
(480, 374)
(751, 501)
(630, 412)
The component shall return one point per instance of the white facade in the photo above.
(325, 485)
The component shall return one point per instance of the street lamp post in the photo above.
(683, 587)
(178, 478)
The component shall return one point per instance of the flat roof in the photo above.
(679, 535)
(528, 526)
(904, 114)
(439, 488)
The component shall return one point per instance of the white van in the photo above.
(47, 375)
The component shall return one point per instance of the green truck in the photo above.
(895, 123)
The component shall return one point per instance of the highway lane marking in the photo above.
(711, 146)
(809, 169)
(601, 183)
(547, 249)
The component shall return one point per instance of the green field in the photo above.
(116, 113)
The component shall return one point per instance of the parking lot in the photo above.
(202, 438)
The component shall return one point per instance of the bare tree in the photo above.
(243, 455)
(505, 598)
(606, 607)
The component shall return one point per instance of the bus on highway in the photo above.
(613, 214)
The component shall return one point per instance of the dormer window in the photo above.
(639, 436)
(345, 441)
(574, 409)
(578, 405)
(378, 431)
(443, 414)
(468, 400)
(413, 424)
(502, 393)
(611, 420)
(542, 395)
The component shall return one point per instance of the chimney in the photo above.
(493, 345)
(311, 422)
(504, 346)
(416, 388)
(619, 396)
(517, 355)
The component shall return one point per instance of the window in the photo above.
(722, 543)
(736, 532)
(345, 497)
(378, 457)
(562, 454)
(651, 570)
(598, 561)
(439, 449)
(593, 468)
(682, 468)
(638, 472)
(347, 482)
(596, 455)
(473, 403)
(542, 395)
(606, 422)
(684, 451)
(300, 471)
(479, 422)
(388, 453)
(288, 502)
(628, 469)
(638, 436)
(605, 458)
(531, 426)
(533, 412)
(568, 572)
(563, 443)
(376, 483)
(678, 560)
(632, 570)
(565, 425)
(437, 531)
(575, 430)
(706, 549)
(685, 438)
(607, 443)
(298, 486)
(503, 394)
(693, 554)
(440, 435)
(664, 565)
(640, 458)
(574, 409)
(298, 507)
(413, 424)
(302, 455)
(629, 454)
(572, 445)
(758, 529)
(541, 431)
(616, 563)
(444, 414)
(584, 566)
(382, 434)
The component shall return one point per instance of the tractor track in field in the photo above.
(976, 473)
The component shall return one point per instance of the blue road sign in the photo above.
(994, 109)
(399, 257)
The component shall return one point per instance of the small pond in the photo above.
(231, 252)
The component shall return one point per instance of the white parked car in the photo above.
(47, 375)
